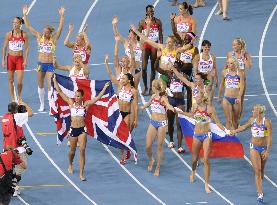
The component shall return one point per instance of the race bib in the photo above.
(16, 45)
(182, 27)
(186, 57)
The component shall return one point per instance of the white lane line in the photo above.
(107, 149)
(199, 202)
(87, 15)
(173, 150)
(224, 57)
(206, 25)
(132, 176)
(22, 200)
(261, 60)
(156, 3)
(56, 166)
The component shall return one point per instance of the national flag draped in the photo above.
(222, 145)
(103, 119)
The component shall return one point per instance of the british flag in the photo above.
(103, 119)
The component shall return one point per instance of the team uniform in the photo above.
(166, 57)
(233, 82)
(46, 48)
(205, 66)
(176, 86)
(154, 34)
(157, 107)
(125, 96)
(184, 25)
(199, 118)
(137, 53)
(16, 44)
(77, 111)
(79, 75)
(258, 131)
(83, 52)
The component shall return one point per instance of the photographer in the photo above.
(12, 123)
(8, 179)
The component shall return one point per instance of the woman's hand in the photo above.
(61, 11)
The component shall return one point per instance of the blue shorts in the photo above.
(176, 101)
(260, 149)
(230, 100)
(202, 137)
(158, 124)
(45, 67)
(75, 132)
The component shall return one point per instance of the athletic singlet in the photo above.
(232, 81)
(258, 130)
(125, 95)
(157, 107)
(176, 85)
(77, 111)
(153, 31)
(16, 43)
(48, 47)
(80, 75)
(201, 116)
(196, 90)
(240, 60)
(205, 66)
(82, 52)
(188, 55)
(168, 55)
(184, 26)
(137, 52)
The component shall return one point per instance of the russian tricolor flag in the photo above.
(222, 145)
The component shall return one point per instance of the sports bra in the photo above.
(176, 85)
(201, 116)
(232, 81)
(82, 52)
(48, 47)
(258, 130)
(137, 52)
(16, 43)
(157, 107)
(183, 26)
(125, 95)
(153, 32)
(188, 55)
(205, 66)
(80, 75)
(168, 55)
(77, 111)
(240, 60)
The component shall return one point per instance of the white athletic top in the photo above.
(137, 52)
(205, 66)
(77, 111)
(125, 95)
(79, 75)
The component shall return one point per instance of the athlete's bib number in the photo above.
(182, 27)
(46, 48)
(176, 87)
(186, 57)
(16, 45)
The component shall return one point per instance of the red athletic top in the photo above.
(83, 52)
(16, 43)
(7, 159)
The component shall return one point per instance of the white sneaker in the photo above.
(16, 192)
(41, 108)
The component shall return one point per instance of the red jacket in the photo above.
(9, 160)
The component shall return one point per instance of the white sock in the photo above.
(41, 93)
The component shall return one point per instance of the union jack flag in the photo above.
(103, 119)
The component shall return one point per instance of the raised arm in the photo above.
(116, 32)
(116, 58)
(94, 100)
(87, 42)
(59, 91)
(66, 40)
(60, 67)
(27, 22)
(174, 29)
(166, 103)
(109, 71)
(60, 27)
(182, 78)
(144, 38)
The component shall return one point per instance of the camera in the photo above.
(22, 141)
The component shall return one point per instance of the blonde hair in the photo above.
(241, 42)
(81, 35)
(235, 62)
(50, 28)
(159, 85)
(77, 57)
(261, 108)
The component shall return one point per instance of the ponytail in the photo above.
(21, 20)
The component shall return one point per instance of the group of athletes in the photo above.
(184, 71)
